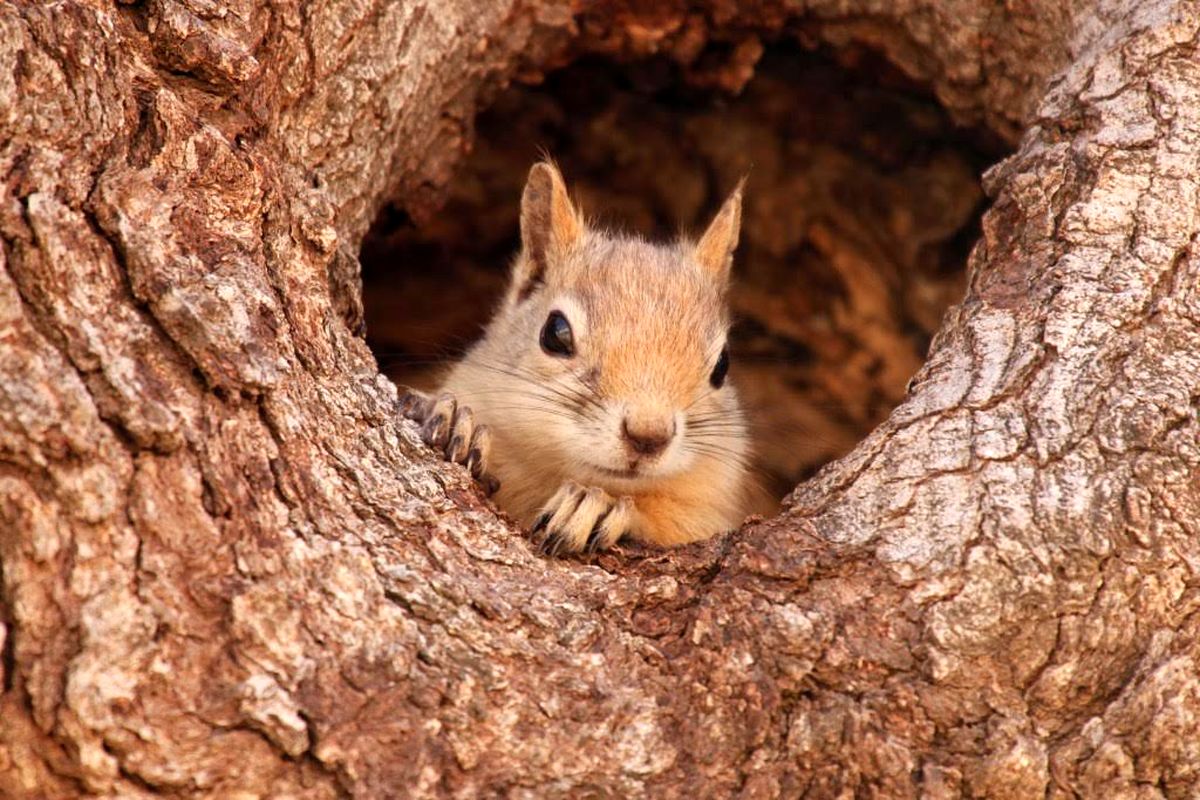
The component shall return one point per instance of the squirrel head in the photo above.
(617, 345)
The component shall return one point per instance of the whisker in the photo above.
(553, 385)
(548, 411)
(729, 456)
(718, 424)
(540, 403)
(704, 396)
(537, 381)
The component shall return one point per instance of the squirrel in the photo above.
(597, 403)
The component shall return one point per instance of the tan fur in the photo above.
(648, 322)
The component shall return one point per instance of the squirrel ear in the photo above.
(714, 253)
(549, 223)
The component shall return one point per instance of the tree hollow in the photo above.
(862, 202)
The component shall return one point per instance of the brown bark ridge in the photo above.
(229, 570)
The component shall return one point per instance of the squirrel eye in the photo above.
(717, 379)
(556, 336)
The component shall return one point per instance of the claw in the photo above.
(579, 519)
(541, 535)
(593, 540)
(434, 430)
(412, 405)
(449, 427)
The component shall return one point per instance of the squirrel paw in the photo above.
(450, 428)
(578, 518)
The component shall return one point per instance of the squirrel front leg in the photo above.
(578, 518)
(450, 428)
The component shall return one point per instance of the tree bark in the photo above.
(228, 568)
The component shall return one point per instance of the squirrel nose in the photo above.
(647, 438)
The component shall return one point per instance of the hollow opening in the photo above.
(862, 203)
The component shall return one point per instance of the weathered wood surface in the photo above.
(227, 567)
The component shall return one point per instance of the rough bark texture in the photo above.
(228, 568)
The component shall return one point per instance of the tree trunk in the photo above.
(228, 568)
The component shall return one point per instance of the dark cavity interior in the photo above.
(862, 203)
